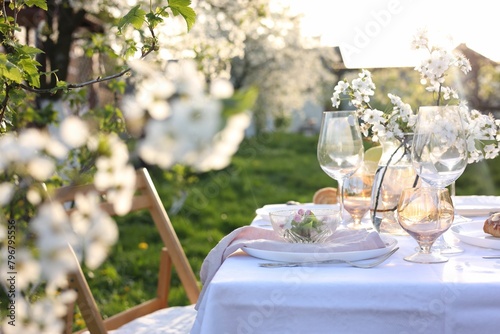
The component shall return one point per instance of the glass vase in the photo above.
(394, 173)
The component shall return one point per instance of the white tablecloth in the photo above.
(459, 296)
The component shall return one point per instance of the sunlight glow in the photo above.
(378, 33)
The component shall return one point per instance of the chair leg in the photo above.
(69, 318)
(164, 277)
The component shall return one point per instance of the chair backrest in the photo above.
(145, 198)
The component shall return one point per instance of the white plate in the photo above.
(266, 209)
(472, 233)
(476, 205)
(299, 257)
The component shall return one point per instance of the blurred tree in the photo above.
(287, 74)
(482, 82)
(259, 44)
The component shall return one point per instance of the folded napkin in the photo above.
(265, 239)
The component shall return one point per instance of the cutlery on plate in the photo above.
(491, 257)
(477, 212)
(365, 265)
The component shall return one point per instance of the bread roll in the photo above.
(492, 225)
(326, 195)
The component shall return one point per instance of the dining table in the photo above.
(461, 295)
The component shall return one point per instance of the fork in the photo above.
(375, 263)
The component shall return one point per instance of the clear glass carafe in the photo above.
(394, 173)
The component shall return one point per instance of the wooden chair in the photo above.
(154, 315)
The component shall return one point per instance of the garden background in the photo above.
(253, 46)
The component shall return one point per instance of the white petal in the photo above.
(41, 168)
(6, 192)
(74, 132)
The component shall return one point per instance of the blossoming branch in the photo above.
(483, 131)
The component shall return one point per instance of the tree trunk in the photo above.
(61, 23)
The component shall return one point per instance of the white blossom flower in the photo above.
(41, 168)
(43, 316)
(342, 87)
(449, 93)
(335, 99)
(122, 193)
(491, 151)
(225, 144)
(434, 68)
(30, 143)
(221, 89)
(94, 227)
(115, 176)
(420, 40)
(27, 268)
(482, 134)
(56, 148)
(463, 64)
(53, 233)
(194, 133)
(359, 92)
(380, 131)
(186, 78)
(187, 133)
(74, 132)
(6, 192)
(184, 118)
(156, 147)
(33, 196)
(8, 147)
(31, 153)
(373, 116)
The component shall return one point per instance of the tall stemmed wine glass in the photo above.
(340, 146)
(425, 213)
(439, 152)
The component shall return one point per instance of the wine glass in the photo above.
(425, 213)
(439, 148)
(340, 146)
(357, 192)
(439, 152)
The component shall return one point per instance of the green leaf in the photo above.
(14, 74)
(9, 70)
(241, 100)
(38, 3)
(6, 27)
(30, 50)
(182, 7)
(61, 84)
(29, 67)
(153, 19)
(117, 86)
(130, 50)
(135, 17)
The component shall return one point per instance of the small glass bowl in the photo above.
(305, 226)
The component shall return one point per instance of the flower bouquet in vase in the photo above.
(395, 172)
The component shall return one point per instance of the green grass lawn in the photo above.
(271, 168)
